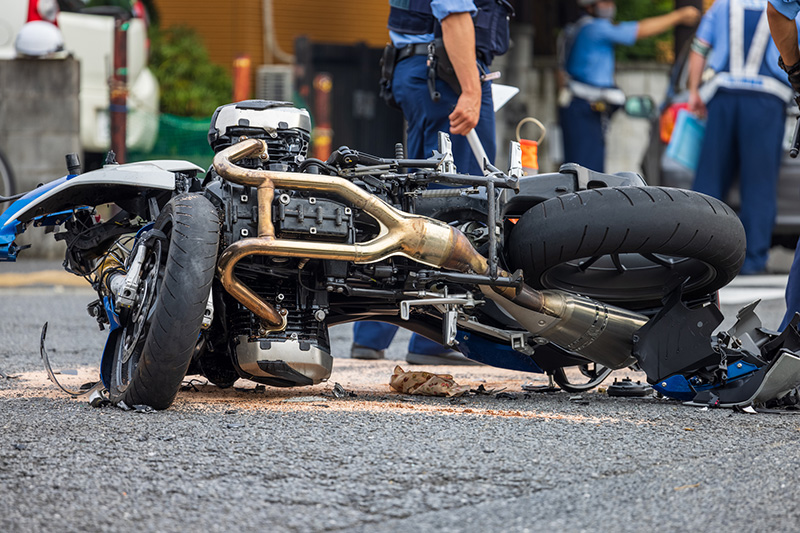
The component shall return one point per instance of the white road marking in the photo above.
(745, 289)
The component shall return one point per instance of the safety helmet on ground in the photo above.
(39, 39)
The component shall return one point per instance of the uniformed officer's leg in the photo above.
(370, 339)
(762, 122)
(717, 165)
(373, 335)
(792, 290)
(425, 119)
(582, 129)
(410, 88)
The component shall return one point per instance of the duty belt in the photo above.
(417, 49)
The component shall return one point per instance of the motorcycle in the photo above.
(238, 271)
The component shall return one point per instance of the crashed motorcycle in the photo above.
(238, 271)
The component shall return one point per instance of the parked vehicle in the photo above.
(663, 170)
(239, 270)
(88, 34)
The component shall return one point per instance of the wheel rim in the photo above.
(627, 277)
(134, 333)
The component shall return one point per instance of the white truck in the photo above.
(88, 35)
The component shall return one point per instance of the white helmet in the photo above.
(39, 39)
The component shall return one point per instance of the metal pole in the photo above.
(322, 136)
(119, 91)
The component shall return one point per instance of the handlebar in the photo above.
(795, 149)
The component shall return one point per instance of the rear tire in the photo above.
(626, 245)
(160, 332)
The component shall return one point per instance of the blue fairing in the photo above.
(10, 229)
(679, 388)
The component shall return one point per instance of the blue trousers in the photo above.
(792, 290)
(744, 133)
(426, 119)
(584, 134)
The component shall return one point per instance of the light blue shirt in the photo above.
(714, 29)
(787, 8)
(591, 59)
(441, 9)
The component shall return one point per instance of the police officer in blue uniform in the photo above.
(472, 33)
(745, 102)
(782, 16)
(588, 95)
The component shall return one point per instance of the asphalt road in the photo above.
(304, 460)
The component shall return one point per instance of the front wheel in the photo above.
(160, 331)
(626, 245)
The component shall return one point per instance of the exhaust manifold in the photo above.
(595, 330)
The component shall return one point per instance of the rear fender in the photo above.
(572, 178)
(106, 185)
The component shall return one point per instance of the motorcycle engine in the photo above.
(300, 354)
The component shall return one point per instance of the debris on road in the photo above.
(52, 375)
(483, 390)
(341, 392)
(549, 388)
(626, 388)
(579, 400)
(7, 376)
(98, 398)
(425, 383)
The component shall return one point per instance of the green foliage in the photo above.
(654, 48)
(191, 85)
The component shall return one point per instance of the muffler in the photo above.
(598, 332)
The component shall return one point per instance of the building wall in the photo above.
(228, 28)
(233, 28)
(332, 22)
(39, 125)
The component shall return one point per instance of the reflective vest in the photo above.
(743, 73)
(491, 23)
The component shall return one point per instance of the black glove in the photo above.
(793, 72)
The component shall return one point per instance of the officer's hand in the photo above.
(466, 114)
(696, 105)
(689, 15)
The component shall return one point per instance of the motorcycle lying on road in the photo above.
(239, 271)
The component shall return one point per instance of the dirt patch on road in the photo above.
(366, 384)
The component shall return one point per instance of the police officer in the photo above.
(588, 94)
(782, 16)
(472, 33)
(745, 103)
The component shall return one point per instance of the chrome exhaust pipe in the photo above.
(597, 331)
(593, 329)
